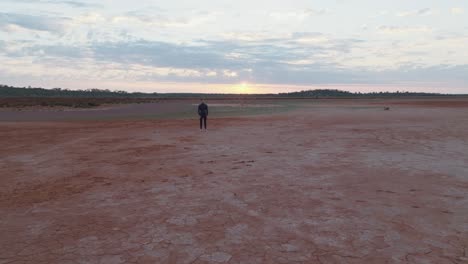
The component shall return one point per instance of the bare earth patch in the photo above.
(335, 182)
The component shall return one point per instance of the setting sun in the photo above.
(243, 88)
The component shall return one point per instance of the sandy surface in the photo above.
(330, 183)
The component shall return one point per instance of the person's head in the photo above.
(202, 100)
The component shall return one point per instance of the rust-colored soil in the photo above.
(337, 182)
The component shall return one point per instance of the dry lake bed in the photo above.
(306, 181)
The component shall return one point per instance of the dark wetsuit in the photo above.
(203, 113)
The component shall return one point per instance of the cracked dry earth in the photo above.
(330, 184)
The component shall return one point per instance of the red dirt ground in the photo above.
(336, 183)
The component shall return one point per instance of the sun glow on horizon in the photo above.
(243, 88)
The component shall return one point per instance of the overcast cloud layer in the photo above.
(159, 45)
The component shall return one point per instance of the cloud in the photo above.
(9, 21)
(310, 37)
(229, 73)
(73, 3)
(420, 12)
(58, 51)
(457, 10)
(297, 15)
(90, 18)
(299, 58)
(256, 36)
(251, 42)
(163, 54)
(159, 19)
(225, 61)
(425, 74)
(403, 30)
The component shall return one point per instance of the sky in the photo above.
(262, 46)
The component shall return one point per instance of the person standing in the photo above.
(203, 113)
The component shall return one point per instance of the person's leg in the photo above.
(201, 119)
(205, 121)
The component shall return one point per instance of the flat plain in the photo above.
(271, 181)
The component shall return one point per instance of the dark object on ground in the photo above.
(387, 108)
(203, 113)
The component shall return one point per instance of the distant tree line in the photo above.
(319, 93)
(332, 93)
(10, 91)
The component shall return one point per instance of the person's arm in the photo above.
(206, 110)
(199, 110)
